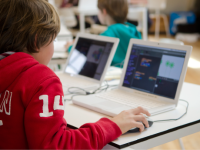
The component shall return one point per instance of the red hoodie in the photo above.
(31, 110)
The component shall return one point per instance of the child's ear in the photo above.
(104, 12)
(36, 43)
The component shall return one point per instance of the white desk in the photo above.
(159, 133)
(94, 11)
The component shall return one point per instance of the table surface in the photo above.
(190, 92)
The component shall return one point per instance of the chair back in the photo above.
(67, 17)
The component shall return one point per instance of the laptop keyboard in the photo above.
(132, 101)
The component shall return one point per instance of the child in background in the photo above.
(113, 13)
(31, 95)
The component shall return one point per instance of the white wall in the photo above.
(178, 5)
(190, 4)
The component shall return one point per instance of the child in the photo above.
(113, 13)
(31, 95)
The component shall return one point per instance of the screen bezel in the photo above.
(115, 42)
(187, 49)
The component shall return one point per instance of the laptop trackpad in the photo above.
(108, 105)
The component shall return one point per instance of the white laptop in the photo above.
(152, 77)
(88, 61)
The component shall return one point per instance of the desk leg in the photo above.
(82, 22)
(181, 144)
(145, 30)
(157, 29)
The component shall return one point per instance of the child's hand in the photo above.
(129, 119)
(68, 44)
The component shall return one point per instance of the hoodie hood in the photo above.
(12, 67)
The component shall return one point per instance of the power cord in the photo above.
(176, 118)
(73, 97)
(98, 90)
(72, 92)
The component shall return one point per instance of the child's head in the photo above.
(112, 11)
(28, 26)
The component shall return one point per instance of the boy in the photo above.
(31, 95)
(113, 13)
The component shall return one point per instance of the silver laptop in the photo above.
(88, 61)
(152, 77)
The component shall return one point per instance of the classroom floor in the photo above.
(191, 142)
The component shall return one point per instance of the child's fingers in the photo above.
(139, 125)
(142, 119)
(140, 110)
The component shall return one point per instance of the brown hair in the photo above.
(117, 9)
(27, 25)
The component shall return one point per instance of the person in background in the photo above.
(74, 3)
(69, 3)
(117, 26)
(31, 94)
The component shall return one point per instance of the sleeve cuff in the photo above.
(110, 129)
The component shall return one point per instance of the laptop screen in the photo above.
(89, 58)
(154, 70)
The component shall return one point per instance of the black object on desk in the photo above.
(135, 130)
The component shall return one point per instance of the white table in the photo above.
(159, 133)
(94, 11)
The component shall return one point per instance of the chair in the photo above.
(157, 6)
(67, 16)
(136, 16)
